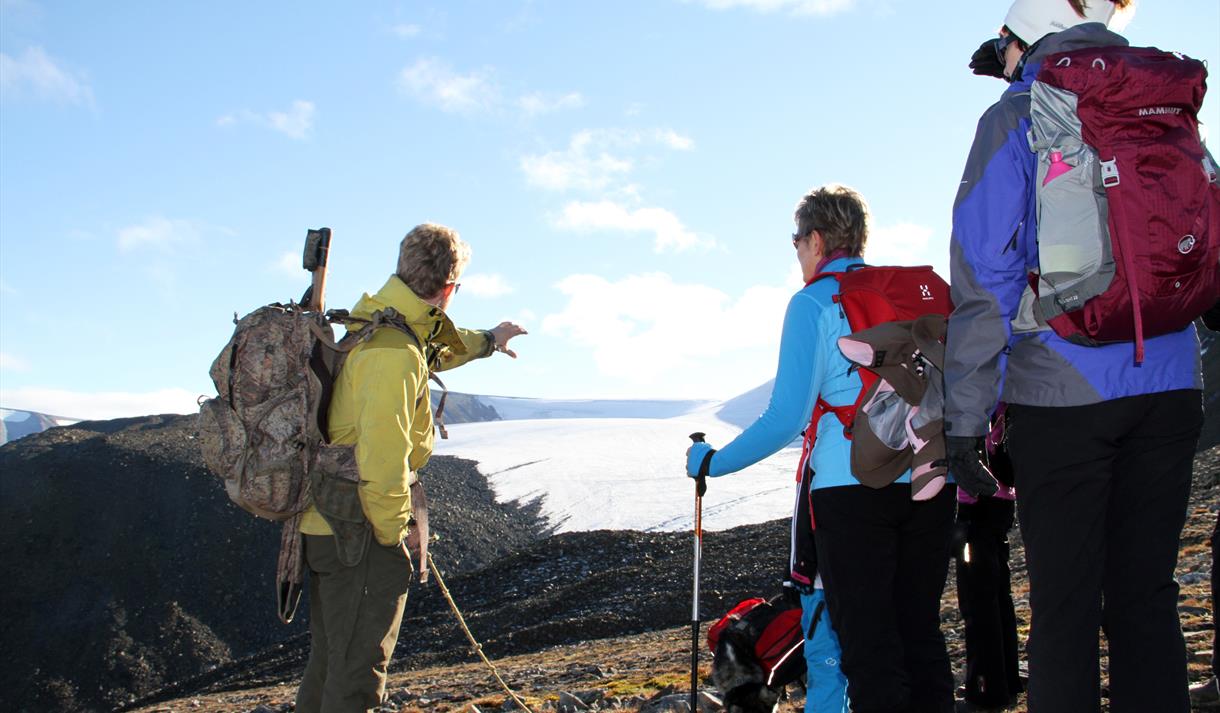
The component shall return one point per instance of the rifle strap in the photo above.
(289, 573)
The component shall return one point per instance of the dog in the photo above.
(758, 651)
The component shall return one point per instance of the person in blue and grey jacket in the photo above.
(1102, 447)
(882, 556)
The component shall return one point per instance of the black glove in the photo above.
(985, 61)
(1211, 318)
(965, 456)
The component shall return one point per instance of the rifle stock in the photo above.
(317, 253)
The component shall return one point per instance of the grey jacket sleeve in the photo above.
(993, 226)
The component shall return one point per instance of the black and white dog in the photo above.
(758, 652)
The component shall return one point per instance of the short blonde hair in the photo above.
(839, 214)
(430, 257)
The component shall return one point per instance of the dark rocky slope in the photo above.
(587, 593)
(130, 569)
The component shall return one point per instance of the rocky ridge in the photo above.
(136, 571)
(601, 616)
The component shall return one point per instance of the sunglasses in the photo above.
(798, 237)
(1001, 45)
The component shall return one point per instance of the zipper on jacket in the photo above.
(1012, 243)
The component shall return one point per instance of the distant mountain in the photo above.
(465, 408)
(741, 411)
(18, 424)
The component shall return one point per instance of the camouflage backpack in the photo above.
(265, 432)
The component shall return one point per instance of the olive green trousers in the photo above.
(354, 617)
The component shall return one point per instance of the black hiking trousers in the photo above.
(984, 595)
(883, 559)
(1102, 493)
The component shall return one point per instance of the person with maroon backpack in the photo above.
(1206, 695)
(881, 548)
(1086, 232)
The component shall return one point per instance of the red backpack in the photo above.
(767, 632)
(869, 296)
(1127, 196)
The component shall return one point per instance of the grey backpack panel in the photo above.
(1075, 257)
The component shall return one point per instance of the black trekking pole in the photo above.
(700, 489)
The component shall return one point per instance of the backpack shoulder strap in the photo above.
(389, 317)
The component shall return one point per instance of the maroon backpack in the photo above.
(1127, 196)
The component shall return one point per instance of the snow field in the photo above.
(622, 473)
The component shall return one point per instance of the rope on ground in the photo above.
(478, 648)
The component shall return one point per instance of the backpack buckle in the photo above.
(1109, 173)
(1209, 168)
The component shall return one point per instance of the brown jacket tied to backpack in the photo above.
(900, 424)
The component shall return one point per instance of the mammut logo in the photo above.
(1186, 244)
(925, 293)
(1159, 110)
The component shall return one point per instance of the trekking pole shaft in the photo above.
(700, 488)
(694, 666)
(698, 558)
(694, 607)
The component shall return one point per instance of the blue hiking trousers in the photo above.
(827, 686)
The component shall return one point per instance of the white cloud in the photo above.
(538, 103)
(99, 405)
(594, 158)
(295, 123)
(486, 285)
(907, 244)
(433, 82)
(12, 362)
(288, 263)
(794, 7)
(674, 140)
(644, 327)
(668, 231)
(406, 30)
(585, 164)
(158, 232)
(38, 73)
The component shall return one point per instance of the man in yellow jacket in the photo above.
(359, 567)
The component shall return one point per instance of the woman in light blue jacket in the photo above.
(883, 557)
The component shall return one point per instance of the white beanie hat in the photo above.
(1031, 20)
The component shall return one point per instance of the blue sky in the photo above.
(625, 172)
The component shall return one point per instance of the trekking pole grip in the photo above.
(700, 482)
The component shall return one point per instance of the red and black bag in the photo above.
(767, 633)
